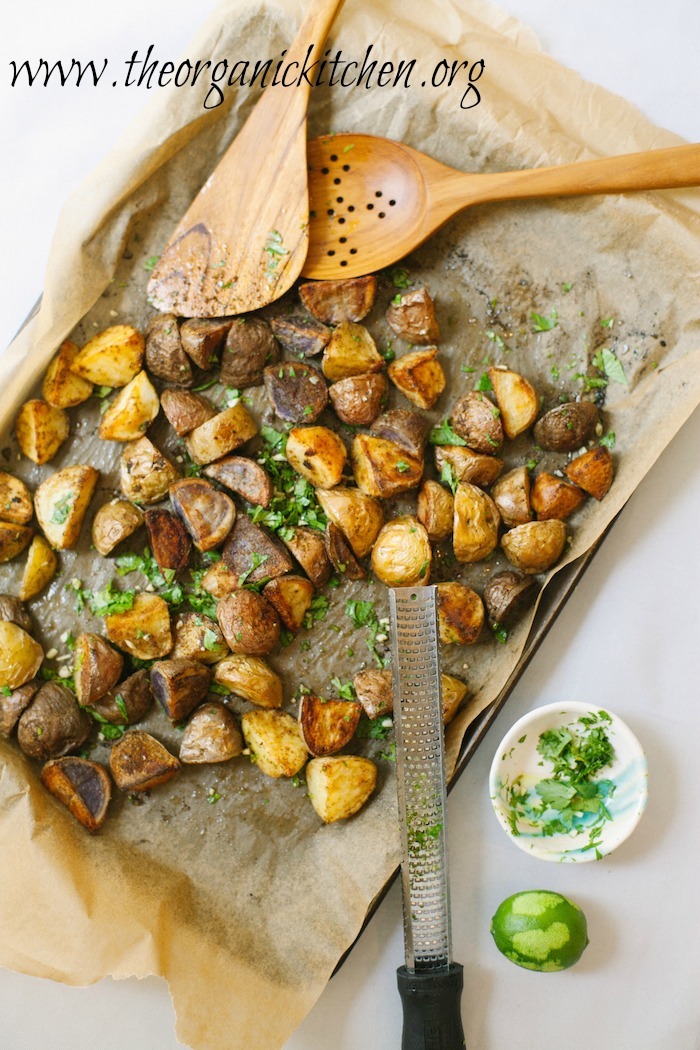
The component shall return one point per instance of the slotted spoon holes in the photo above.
(346, 205)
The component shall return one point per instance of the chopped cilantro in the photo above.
(150, 263)
(363, 614)
(608, 439)
(109, 600)
(373, 728)
(448, 477)
(256, 560)
(606, 361)
(606, 322)
(402, 466)
(567, 286)
(162, 579)
(500, 633)
(121, 706)
(345, 690)
(317, 611)
(6, 691)
(294, 501)
(484, 382)
(400, 278)
(210, 640)
(62, 508)
(540, 323)
(467, 369)
(443, 434)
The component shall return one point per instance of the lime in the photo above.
(540, 930)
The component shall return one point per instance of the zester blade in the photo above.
(420, 772)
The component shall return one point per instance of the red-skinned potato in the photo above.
(165, 357)
(466, 465)
(14, 702)
(335, 301)
(412, 317)
(593, 471)
(249, 623)
(504, 593)
(202, 338)
(567, 427)
(185, 410)
(250, 346)
(553, 497)
(211, 735)
(358, 400)
(478, 422)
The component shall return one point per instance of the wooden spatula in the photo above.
(243, 240)
(373, 200)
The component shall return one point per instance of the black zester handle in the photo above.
(431, 1009)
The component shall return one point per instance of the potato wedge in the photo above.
(20, 655)
(202, 338)
(511, 494)
(351, 351)
(516, 398)
(297, 392)
(13, 540)
(250, 346)
(144, 630)
(309, 548)
(243, 476)
(82, 786)
(249, 623)
(115, 521)
(53, 724)
(503, 595)
(15, 500)
(383, 469)
(12, 610)
(374, 690)
(127, 702)
(251, 678)
(567, 427)
(275, 742)
(12, 704)
(358, 516)
(206, 513)
(61, 387)
(460, 614)
(41, 430)
(97, 668)
(168, 539)
(185, 410)
(318, 454)
(335, 301)
(253, 553)
(145, 473)
(340, 785)
(165, 357)
(340, 554)
(454, 691)
(211, 735)
(291, 596)
(61, 502)
(419, 376)
(467, 465)
(131, 412)
(435, 510)
(476, 521)
(402, 556)
(197, 637)
(179, 685)
(478, 422)
(221, 434)
(592, 472)
(138, 762)
(111, 358)
(303, 336)
(407, 429)
(553, 497)
(412, 317)
(535, 546)
(327, 725)
(219, 580)
(358, 400)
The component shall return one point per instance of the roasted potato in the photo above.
(351, 351)
(179, 686)
(12, 610)
(340, 785)
(567, 427)
(291, 596)
(374, 690)
(504, 593)
(61, 387)
(478, 422)
(203, 337)
(97, 668)
(251, 678)
(138, 762)
(253, 553)
(304, 336)
(13, 540)
(243, 476)
(336, 301)
(165, 357)
(82, 786)
(131, 412)
(358, 400)
(401, 556)
(476, 521)
(61, 502)
(358, 516)
(207, 514)
(221, 434)
(115, 521)
(327, 725)
(460, 614)
(419, 376)
(12, 704)
(297, 392)
(553, 497)
(249, 623)
(516, 398)
(250, 346)
(168, 538)
(382, 468)
(405, 428)
(466, 465)
(111, 358)
(511, 494)
(197, 637)
(341, 555)
(412, 317)
(127, 702)
(435, 511)
(185, 410)
(318, 454)
(453, 694)
(144, 630)
(15, 500)
(536, 545)
(145, 473)
(592, 472)
(211, 735)
(309, 549)
(275, 742)
(53, 724)
(219, 580)
(41, 430)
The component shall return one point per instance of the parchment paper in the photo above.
(246, 906)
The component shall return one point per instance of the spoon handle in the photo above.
(307, 46)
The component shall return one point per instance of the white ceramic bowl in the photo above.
(517, 759)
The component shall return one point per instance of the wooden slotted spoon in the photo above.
(243, 240)
(373, 200)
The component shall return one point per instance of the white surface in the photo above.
(627, 639)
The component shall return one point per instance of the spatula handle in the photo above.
(432, 1018)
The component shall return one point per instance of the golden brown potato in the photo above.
(138, 762)
(453, 693)
(20, 655)
(435, 510)
(374, 690)
(553, 497)
(516, 398)
(221, 434)
(358, 516)
(476, 521)
(309, 548)
(251, 678)
(382, 468)
(165, 357)
(535, 546)
(97, 668)
(145, 473)
(478, 422)
(15, 500)
(185, 410)
(412, 316)
(168, 539)
(318, 454)
(211, 735)
(327, 725)
(504, 593)
(41, 430)
(291, 596)
(61, 502)
(179, 685)
(302, 336)
(114, 522)
(111, 358)
(419, 376)
(219, 580)
(197, 637)
(405, 428)
(254, 554)
(249, 623)
(203, 337)
(340, 785)
(243, 476)
(13, 540)
(297, 392)
(82, 786)
(511, 494)
(341, 554)
(144, 630)
(401, 556)
(351, 351)
(207, 514)
(275, 742)
(14, 702)
(358, 400)
(460, 614)
(62, 388)
(131, 412)
(128, 701)
(250, 346)
(466, 465)
(53, 724)
(567, 427)
(593, 471)
(335, 301)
